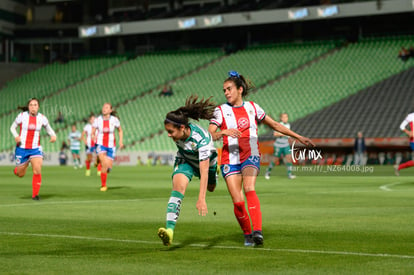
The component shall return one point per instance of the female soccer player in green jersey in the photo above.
(196, 156)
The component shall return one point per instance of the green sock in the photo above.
(174, 208)
(289, 168)
(269, 168)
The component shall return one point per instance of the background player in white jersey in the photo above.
(240, 160)
(408, 121)
(196, 156)
(74, 142)
(89, 144)
(281, 149)
(28, 149)
(106, 124)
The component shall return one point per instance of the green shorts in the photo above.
(182, 167)
(281, 151)
(75, 152)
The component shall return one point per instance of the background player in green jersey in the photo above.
(281, 149)
(74, 141)
(196, 156)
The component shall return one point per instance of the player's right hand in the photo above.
(234, 133)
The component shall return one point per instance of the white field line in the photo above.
(387, 187)
(302, 251)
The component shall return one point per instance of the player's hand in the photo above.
(234, 133)
(121, 146)
(306, 141)
(17, 139)
(52, 139)
(202, 207)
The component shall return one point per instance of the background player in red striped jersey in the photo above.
(409, 120)
(28, 149)
(106, 124)
(240, 161)
(89, 143)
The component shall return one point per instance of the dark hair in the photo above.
(203, 109)
(26, 108)
(240, 81)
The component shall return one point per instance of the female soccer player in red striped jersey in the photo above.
(105, 141)
(89, 143)
(28, 149)
(409, 120)
(240, 161)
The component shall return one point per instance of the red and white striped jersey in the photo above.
(88, 130)
(409, 120)
(30, 127)
(106, 131)
(244, 118)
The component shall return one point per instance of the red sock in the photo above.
(103, 179)
(99, 167)
(253, 204)
(88, 164)
(406, 164)
(242, 217)
(15, 171)
(36, 182)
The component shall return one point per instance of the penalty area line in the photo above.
(302, 251)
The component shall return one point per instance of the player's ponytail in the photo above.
(202, 109)
(115, 114)
(240, 81)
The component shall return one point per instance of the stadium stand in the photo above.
(10, 71)
(334, 78)
(118, 85)
(262, 64)
(300, 79)
(50, 79)
(376, 111)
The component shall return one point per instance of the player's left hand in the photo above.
(52, 139)
(202, 207)
(121, 146)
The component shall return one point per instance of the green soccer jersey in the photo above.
(282, 141)
(75, 143)
(197, 147)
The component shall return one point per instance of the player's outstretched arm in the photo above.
(276, 126)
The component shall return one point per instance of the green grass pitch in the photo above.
(314, 224)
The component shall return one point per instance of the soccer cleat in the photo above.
(104, 188)
(396, 171)
(166, 235)
(87, 173)
(98, 173)
(248, 240)
(292, 176)
(258, 237)
(36, 198)
(267, 176)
